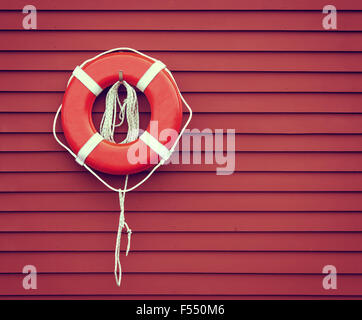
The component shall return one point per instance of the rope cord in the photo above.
(129, 107)
(122, 223)
(107, 127)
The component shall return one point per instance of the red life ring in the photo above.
(162, 95)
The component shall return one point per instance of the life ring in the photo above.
(147, 75)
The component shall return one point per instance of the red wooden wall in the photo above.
(292, 91)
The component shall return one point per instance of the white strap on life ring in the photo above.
(142, 84)
(84, 78)
(155, 145)
(149, 75)
(88, 147)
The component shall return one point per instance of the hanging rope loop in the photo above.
(121, 224)
(129, 107)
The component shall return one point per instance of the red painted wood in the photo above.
(244, 161)
(180, 181)
(186, 5)
(206, 81)
(184, 241)
(243, 142)
(183, 40)
(197, 61)
(184, 201)
(182, 20)
(101, 284)
(242, 123)
(293, 205)
(185, 262)
(207, 102)
(189, 221)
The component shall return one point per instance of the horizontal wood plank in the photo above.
(182, 40)
(196, 61)
(180, 181)
(243, 102)
(190, 221)
(185, 241)
(251, 123)
(244, 161)
(173, 284)
(185, 5)
(184, 262)
(182, 20)
(38, 142)
(184, 201)
(205, 81)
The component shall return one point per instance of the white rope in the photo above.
(122, 223)
(130, 107)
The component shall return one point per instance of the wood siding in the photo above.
(291, 90)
